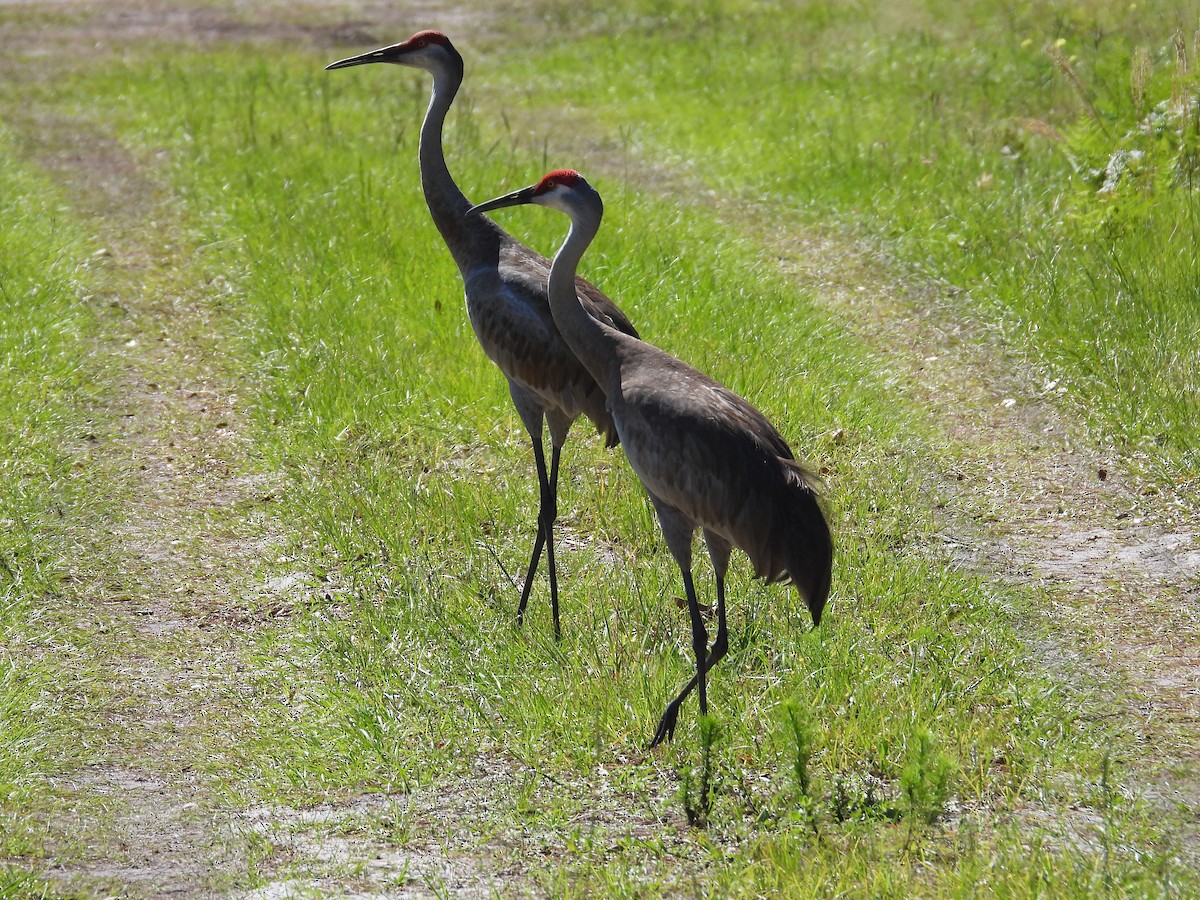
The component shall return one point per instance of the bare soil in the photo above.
(1033, 500)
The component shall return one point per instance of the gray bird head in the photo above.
(427, 50)
(563, 189)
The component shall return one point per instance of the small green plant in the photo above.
(861, 796)
(699, 789)
(24, 884)
(804, 733)
(1106, 798)
(926, 779)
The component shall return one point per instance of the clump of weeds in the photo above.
(701, 785)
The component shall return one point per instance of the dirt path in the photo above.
(181, 557)
(1029, 502)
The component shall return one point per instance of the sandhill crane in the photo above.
(707, 458)
(505, 286)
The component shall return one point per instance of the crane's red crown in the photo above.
(565, 177)
(424, 38)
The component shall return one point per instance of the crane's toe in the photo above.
(666, 725)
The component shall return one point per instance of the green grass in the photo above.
(411, 487)
(916, 741)
(911, 127)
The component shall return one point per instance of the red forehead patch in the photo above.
(566, 177)
(421, 38)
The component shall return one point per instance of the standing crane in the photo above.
(707, 458)
(505, 287)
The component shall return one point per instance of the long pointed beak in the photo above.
(389, 53)
(516, 198)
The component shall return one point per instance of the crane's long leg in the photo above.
(704, 662)
(547, 514)
(538, 544)
(719, 551)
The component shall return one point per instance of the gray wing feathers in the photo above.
(722, 464)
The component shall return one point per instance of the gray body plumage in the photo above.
(717, 463)
(507, 306)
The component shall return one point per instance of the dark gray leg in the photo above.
(666, 725)
(719, 551)
(547, 514)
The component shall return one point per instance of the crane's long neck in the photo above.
(592, 341)
(466, 236)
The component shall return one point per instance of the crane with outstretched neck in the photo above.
(505, 287)
(707, 458)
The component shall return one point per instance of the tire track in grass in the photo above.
(179, 558)
(169, 596)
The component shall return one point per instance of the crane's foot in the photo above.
(666, 725)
